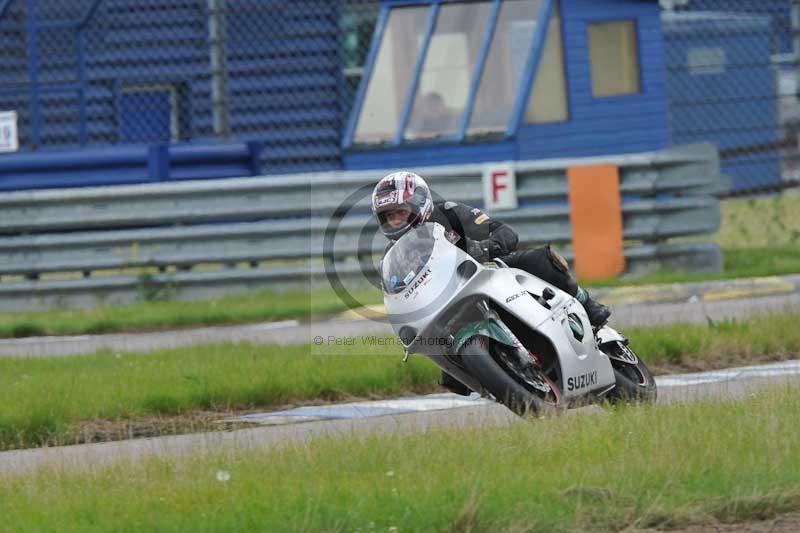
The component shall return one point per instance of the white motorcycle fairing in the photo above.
(424, 295)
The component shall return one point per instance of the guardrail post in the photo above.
(158, 162)
(217, 38)
(254, 149)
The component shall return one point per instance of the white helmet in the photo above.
(397, 190)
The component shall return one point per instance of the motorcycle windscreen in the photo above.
(407, 258)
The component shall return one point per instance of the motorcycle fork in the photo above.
(524, 356)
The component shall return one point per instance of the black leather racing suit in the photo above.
(485, 238)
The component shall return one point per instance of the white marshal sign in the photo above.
(499, 187)
(9, 140)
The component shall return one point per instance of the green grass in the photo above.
(758, 222)
(40, 399)
(739, 263)
(645, 466)
(149, 316)
(44, 400)
(718, 344)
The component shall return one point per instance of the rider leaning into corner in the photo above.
(402, 200)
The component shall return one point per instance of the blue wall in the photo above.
(619, 124)
(285, 78)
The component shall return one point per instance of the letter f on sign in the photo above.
(499, 182)
(499, 187)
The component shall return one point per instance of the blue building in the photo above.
(455, 82)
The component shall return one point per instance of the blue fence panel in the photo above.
(284, 72)
(779, 13)
(108, 72)
(721, 86)
(145, 116)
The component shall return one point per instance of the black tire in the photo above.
(478, 360)
(635, 383)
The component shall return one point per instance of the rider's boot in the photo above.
(597, 312)
(453, 385)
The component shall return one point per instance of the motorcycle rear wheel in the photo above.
(477, 357)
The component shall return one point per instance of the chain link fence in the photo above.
(103, 72)
(732, 78)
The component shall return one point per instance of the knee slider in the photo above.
(557, 260)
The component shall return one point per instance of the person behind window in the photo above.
(433, 117)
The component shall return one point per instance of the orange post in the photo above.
(595, 215)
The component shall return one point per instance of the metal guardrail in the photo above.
(277, 226)
(297, 239)
(135, 163)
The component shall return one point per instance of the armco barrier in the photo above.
(143, 163)
(197, 234)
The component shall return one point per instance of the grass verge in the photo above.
(64, 400)
(116, 395)
(755, 222)
(161, 315)
(717, 344)
(647, 466)
(739, 263)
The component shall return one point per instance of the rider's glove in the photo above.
(482, 251)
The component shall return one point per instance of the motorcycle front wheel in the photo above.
(635, 382)
(539, 395)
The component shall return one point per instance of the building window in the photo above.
(614, 58)
(445, 77)
(505, 63)
(456, 63)
(548, 99)
(357, 24)
(391, 75)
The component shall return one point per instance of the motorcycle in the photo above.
(503, 332)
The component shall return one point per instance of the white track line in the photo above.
(409, 404)
(783, 368)
(437, 402)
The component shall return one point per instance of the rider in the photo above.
(402, 200)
